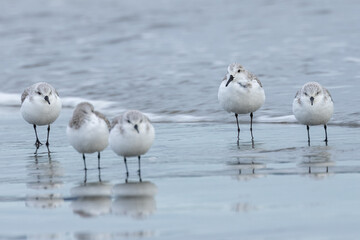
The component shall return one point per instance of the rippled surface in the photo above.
(167, 59)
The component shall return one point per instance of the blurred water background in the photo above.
(167, 58)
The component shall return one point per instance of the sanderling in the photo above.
(131, 135)
(241, 92)
(88, 130)
(313, 105)
(40, 105)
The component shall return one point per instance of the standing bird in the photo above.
(40, 105)
(241, 92)
(132, 134)
(313, 105)
(88, 130)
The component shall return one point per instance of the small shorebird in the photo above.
(40, 105)
(88, 130)
(240, 92)
(132, 134)
(313, 105)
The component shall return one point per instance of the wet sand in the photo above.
(196, 183)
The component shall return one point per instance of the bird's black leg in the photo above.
(37, 148)
(37, 142)
(84, 162)
(238, 127)
(127, 170)
(307, 127)
(47, 139)
(251, 122)
(85, 176)
(326, 138)
(99, 175)
(98, 160)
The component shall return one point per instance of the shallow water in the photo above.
(167, 59)
(196, 183)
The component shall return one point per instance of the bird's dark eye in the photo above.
(38, 93)
(141, 121)
(305, 94)
(318, 93)
(128, 121)
(239, 70)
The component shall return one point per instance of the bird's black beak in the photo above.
(136, 128)
(230, 79)
(47, 99)
(312, 100)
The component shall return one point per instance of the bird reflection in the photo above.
(44, 200)
(252, 144)
(243, 207)
(317, 162)
(247, 168)
(89, 235)
(91, 199)
(244, 146)
(44, 175)
(134, 199)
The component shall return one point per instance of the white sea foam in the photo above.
(14, 100)
(175, 118)
(71, 102)
(10, 99)
(279, 119)
(107, 107)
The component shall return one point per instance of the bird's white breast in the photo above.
(238, 99)
(130, 143)
(319, 113)
(92, 136)
(37, 111)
